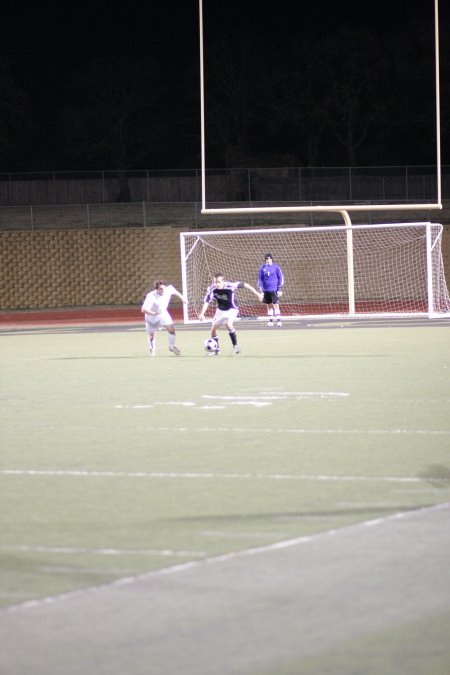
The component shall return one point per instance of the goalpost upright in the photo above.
(409, 280)
(341, 209)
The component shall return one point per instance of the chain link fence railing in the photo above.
(102, 199)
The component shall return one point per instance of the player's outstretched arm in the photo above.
(179, 295)
(254, 291)
(201, 316)
(260, 279)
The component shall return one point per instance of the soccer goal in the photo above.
(361, 270)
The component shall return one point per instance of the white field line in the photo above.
(283, 430)
(190, 404)
(263, 399)
(182, 403)
(282, 395)
(84, 473)
(305, 393)
(166, 553)
(256, 404)
(226, 557)
(258, 400)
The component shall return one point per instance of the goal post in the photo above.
(322, 207)
(341, 271)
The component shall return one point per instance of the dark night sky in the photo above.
(46, 44)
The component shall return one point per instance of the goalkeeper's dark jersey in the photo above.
(225, 297)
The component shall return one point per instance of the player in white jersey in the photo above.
(157, 315)
(223, 293)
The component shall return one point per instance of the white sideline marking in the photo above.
(233, 476)
(261, 430)
(281, 395)
(257, 404)
(243, 398)
(101, 551)
(233, 555)
(139, 406)
(260, 400)
(306, 393)
(183, 403)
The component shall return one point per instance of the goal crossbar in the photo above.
(321, 208)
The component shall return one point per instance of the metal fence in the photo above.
(153, 198)
(249, 184)
(186, 215)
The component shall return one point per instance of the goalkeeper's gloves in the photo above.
(280, 293)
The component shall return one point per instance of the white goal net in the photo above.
(392, 269)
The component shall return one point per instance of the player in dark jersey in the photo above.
(223, 293)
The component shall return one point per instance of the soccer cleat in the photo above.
(279, 324)
(152, 352)
(236, 349)
(270, 324)
(175, 350)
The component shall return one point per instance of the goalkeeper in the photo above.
(270, 283)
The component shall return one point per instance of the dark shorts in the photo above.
(271, 298)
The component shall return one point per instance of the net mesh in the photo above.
(388, 270)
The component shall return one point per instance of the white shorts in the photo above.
(222, 315)
(152, 323)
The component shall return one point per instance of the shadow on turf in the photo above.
(366, 511)
(71, 330)
(308, 323)
(222, 356)
(437, 475)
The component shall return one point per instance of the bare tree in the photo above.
(359, 86)
(15, 114)
(111, 117)
(234, 93)
(300, 102)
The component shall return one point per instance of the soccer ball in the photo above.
(210, 345)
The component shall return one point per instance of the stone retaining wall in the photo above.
(77, 268)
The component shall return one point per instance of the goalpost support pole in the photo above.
(429, 271)
(351, 276)
(184, 278)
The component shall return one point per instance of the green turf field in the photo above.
(115, 464)
(106, 449)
